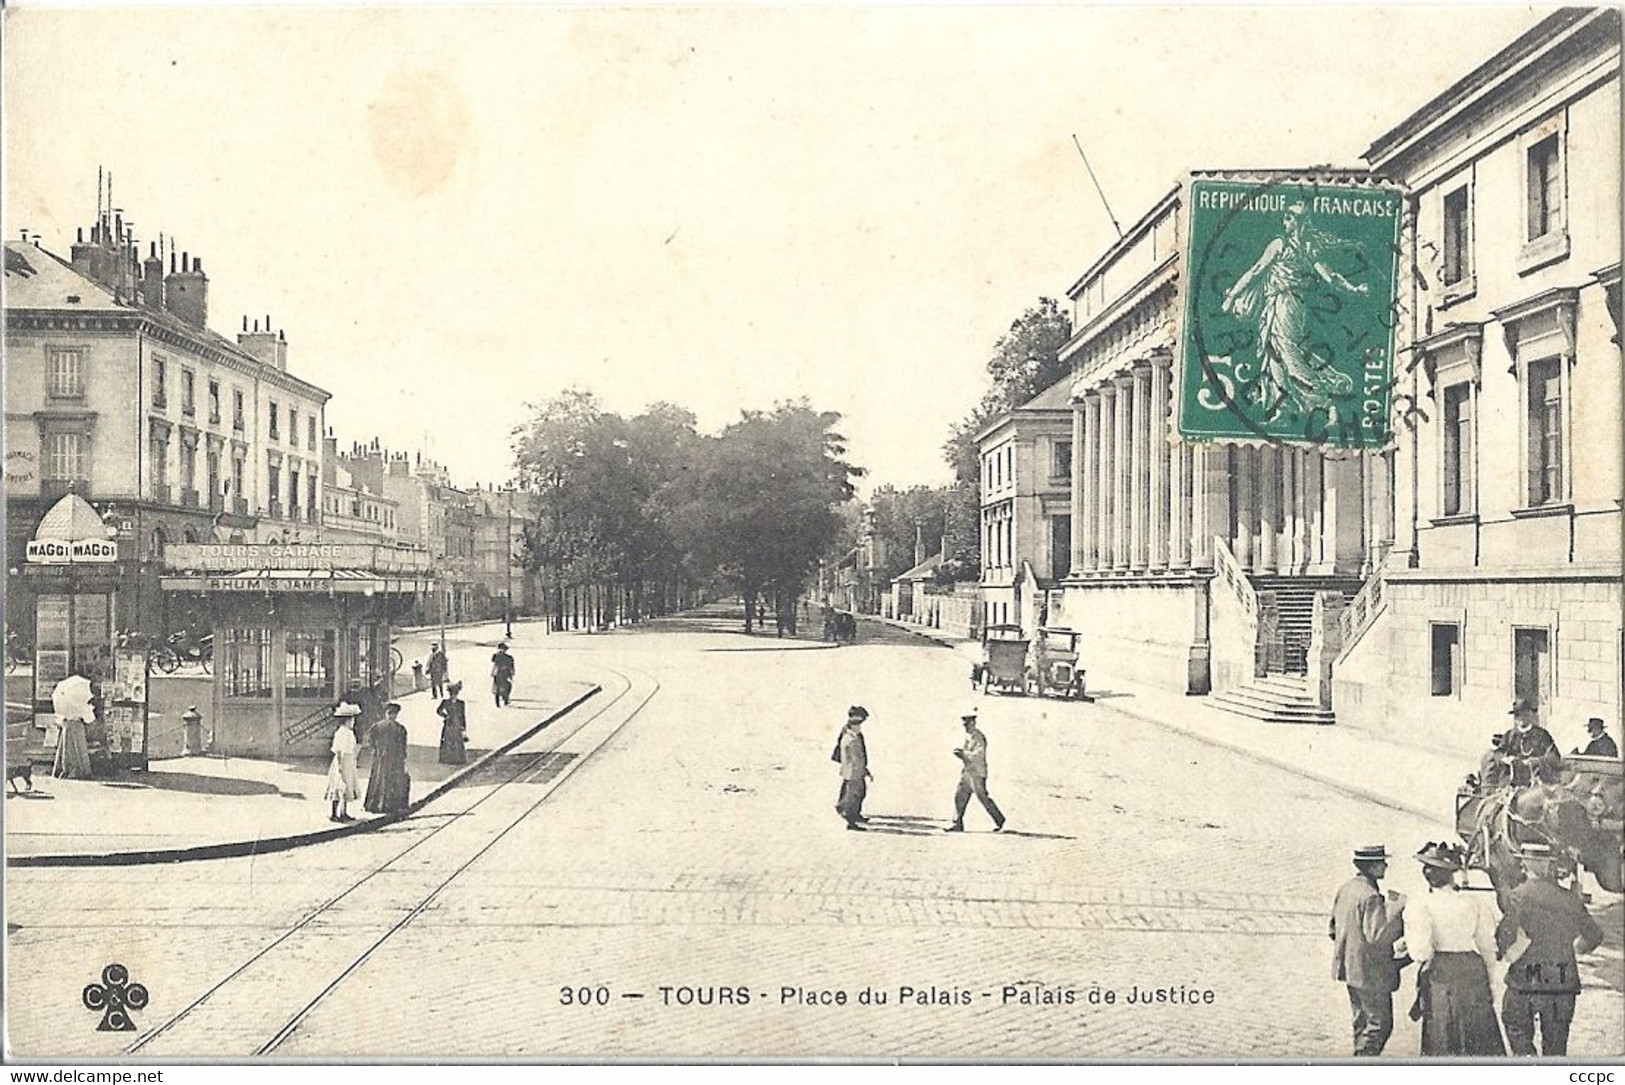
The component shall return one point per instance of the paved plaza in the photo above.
(667, 877)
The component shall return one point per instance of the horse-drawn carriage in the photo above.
(1574, 805)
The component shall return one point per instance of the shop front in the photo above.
(296, 628)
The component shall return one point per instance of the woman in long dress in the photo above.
(342, 787)
(70, 700)
(454, 731)
(1272, 291)
(388, 786)
(1451, 934)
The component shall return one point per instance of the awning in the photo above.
(299, 581)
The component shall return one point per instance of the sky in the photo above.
(453, 214)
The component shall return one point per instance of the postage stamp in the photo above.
(1291, 313)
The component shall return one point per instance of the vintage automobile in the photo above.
(1053, 669)
(1576, 809)
(1004, 660)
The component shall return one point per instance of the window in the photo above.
(213, 464)
(308, 663)
(293, 427)
(188, 392)
(237, 477)
(237, 422)
(310, 496)
(245, 663)
(273, 479)
(1061, 464)
(188, 464)
(275, 431)
(293, 490)
(160, 389)
(1532, 668)
(158, 447)
(214, 402)
(65, 455)
(1457, 240)
(1060, 546)
(1458, 450)
(155, 545)
(310, 431)
(1545, 179)
(1446, 646)
(65, 374)
(1545, 413)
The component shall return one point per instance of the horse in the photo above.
(1495, 823)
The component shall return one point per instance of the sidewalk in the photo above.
(1412, 779)
(208, 803)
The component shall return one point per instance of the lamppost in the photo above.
(507, 549)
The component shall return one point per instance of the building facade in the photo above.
(1194, 566)
(353, 512)
(117, 390)
(1026, 507)
(1507, 580)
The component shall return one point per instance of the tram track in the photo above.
(637, 689)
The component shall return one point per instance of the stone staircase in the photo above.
(1294, 609)
(1278, 698)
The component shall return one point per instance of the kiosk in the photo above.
(297, 627)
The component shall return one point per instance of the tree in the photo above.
(760, 504)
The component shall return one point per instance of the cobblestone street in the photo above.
(677, 855)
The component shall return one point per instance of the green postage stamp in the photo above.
(1290, 313)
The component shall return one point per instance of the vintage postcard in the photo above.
(865, 533)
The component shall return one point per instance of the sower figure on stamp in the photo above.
(973, 777)
(853, 756)
(1543, 981)
(1363, 930)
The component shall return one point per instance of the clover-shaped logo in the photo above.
(115, 996)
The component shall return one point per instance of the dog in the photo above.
(23, 772)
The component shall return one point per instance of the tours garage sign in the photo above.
(75, 552)
(1290, 313)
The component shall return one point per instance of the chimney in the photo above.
(152, 279)
(186, 292)
(266, 346)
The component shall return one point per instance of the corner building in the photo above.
(1506, 583)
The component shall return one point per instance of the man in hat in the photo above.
(437, 668)
(853, 756)
(1544, 981)
(1601, 744)
(972, 755)
(1529, 748)
(502, 670)
(1363, 930)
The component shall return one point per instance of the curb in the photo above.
(1281, 763)
(240, 848)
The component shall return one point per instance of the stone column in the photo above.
(1179, 506)
(1211, 479)
(1105, 450)
(1160, 454)
(1244, 485)
(1269, 519)
(1140, 479)
(1123, 467)
(1314, 496)
(1081, 490)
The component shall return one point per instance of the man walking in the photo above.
(437, 671)
(502, 671)
(973, 777)
(1363, 931)
(853, 755)
(1543, 983)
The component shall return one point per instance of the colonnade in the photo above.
(1146, 502)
